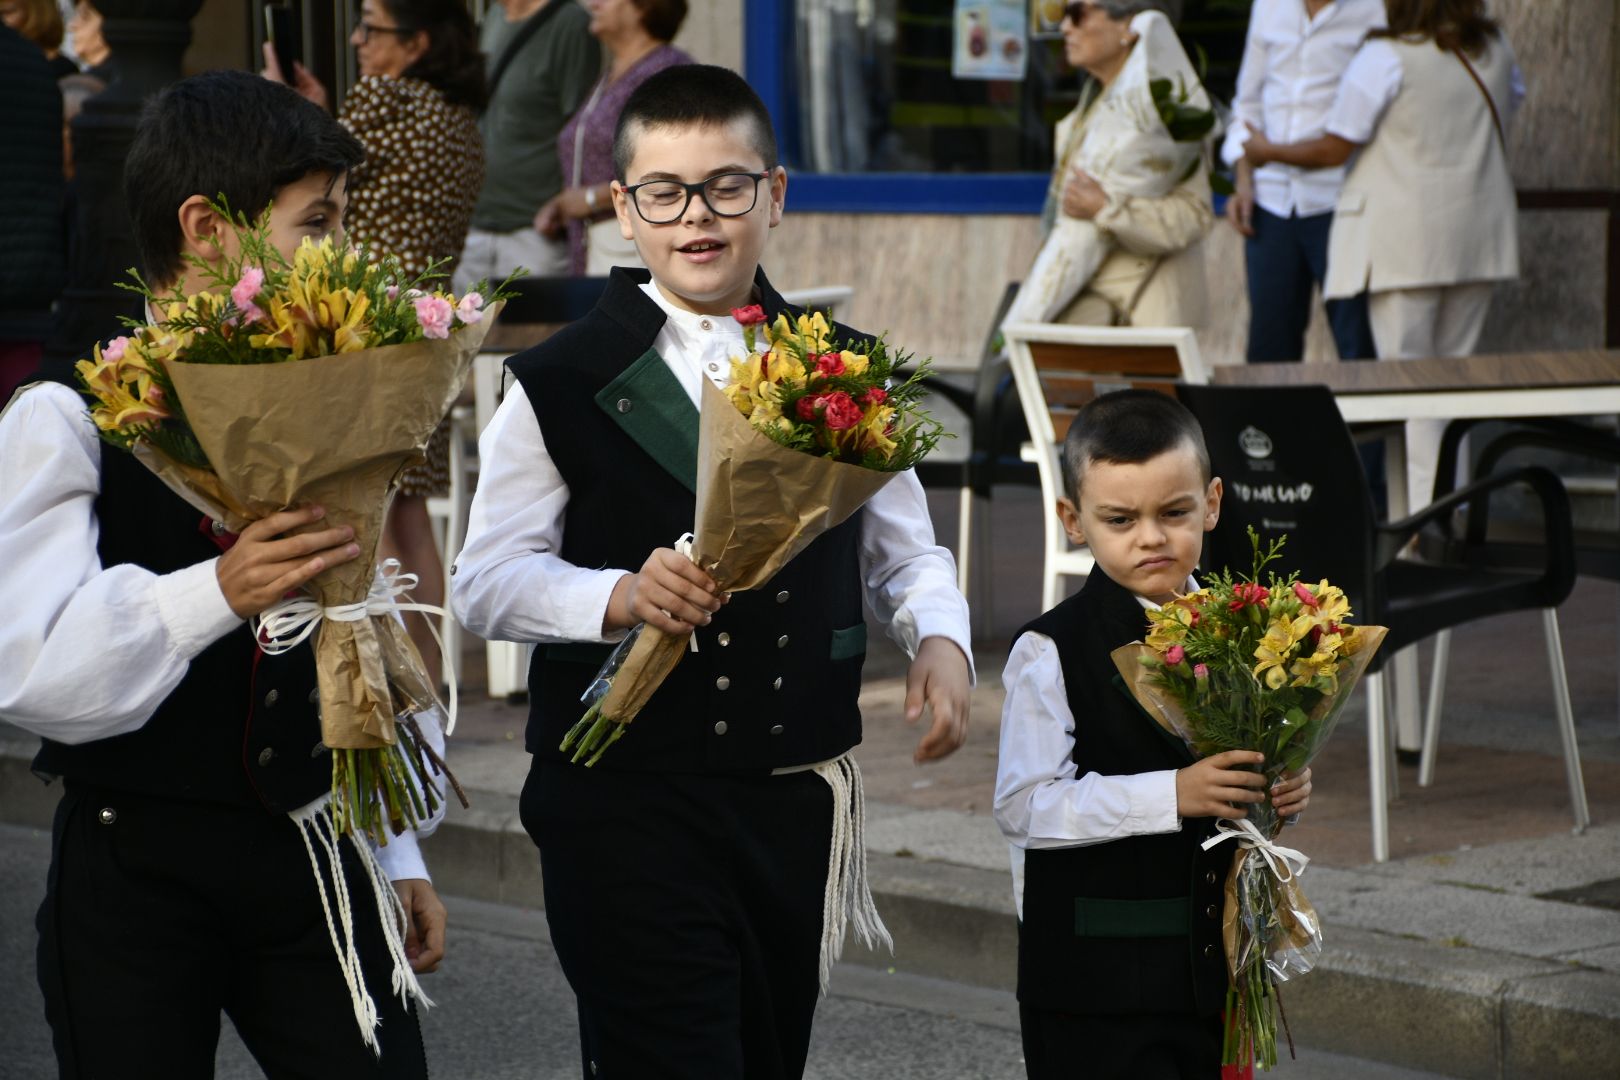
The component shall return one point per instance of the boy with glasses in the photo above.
(686, 874)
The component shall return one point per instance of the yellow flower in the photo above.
(1274, 650)
(814, 333)
(1319, 665)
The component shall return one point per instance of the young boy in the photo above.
(686, 873)
(1120, 964)
(179, 887)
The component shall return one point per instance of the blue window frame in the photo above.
(768, 65)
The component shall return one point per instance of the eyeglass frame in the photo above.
(367, 29)
(1075, 10)
(696, 189)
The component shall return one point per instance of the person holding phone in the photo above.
(414, 110)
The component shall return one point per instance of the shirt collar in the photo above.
(1191, 587)
(689, 328)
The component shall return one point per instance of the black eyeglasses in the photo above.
(365, 30)
(732, 194)
(1076, 11)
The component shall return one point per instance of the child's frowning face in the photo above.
(701, 261)
(1145, 522)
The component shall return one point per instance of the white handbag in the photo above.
(605, 245)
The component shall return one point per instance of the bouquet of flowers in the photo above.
(1239, 665)
(806, 431)
(314, 381)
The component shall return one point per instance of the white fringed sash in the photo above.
(848, 897)
(321, 841)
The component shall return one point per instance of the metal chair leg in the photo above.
(1378, 767)
(1431, 716)
(1566, 721)
(964, 540)
(1391, 682)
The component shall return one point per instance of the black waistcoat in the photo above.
(241, 727)
(776, 677)
(1058, 966)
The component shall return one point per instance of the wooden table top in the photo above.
(1505, 371)
(505, 337)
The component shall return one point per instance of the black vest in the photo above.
(241, 727)
(1079, 956)
(776, 677)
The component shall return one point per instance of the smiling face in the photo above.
(1145, 522)
(701, 262)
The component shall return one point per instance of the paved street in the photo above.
(505, 1012)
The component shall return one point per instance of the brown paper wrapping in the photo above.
(337, 431)
(758, 505)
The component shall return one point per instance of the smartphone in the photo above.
(284, 30)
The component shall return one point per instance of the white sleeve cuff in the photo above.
(193, 608)
(1232, 145)
(402, 859)
(1153, 802)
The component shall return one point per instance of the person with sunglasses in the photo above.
(415, 111)
(1138, 242)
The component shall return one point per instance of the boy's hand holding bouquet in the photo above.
(806, 432)
(290, 386)
(1253, 677)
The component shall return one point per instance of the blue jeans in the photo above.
(1285, 256)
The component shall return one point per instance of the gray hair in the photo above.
(1124, 10)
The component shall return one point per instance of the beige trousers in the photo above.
(1412, 324)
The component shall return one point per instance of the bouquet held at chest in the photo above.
(311, 381)
(808, 429)
(1241, 665)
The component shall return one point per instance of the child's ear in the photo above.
(1212, 503)
(778, 194)
(622, 207)
(1069, 515)
(202, 229)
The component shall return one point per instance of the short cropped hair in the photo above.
(688, 96)
(662, 18)
(222, 133)
(1128, 427)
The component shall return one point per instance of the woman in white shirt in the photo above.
(1427, 221)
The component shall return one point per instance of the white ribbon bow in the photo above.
(684, 546)
(1250, 838)
(288, 623)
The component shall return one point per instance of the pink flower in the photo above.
(392, 292)
(751, 315)
(1305, 596)
(114, 349)
(434, 314)
(841, 412)
(243, 292)
(1174, 655)
(1200, 671)
(829, 365)
(875, 396)
(469, 310)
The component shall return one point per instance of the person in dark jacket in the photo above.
(34, 268)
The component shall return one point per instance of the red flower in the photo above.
(875, 396)
(1305, 595)
(1200, 671)
(829, 365)
(752, 315)
(807, 407)
(1248, 593)
(1174, 655)
(841, 412)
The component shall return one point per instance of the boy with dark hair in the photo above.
(179, 887)
(687, 874)
(1120, 964)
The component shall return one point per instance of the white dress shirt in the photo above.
(86, 651)
(1292, 65)
(1371, 83)
(1040, 800)
(511, 584)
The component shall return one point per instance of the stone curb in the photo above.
(1461, 1011)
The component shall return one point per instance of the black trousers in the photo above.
(1072, 1046)
(159, 915)
(686, 911)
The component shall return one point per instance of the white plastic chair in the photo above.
(826, 299)
(1057, 369)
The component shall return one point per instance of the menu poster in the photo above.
(1045, 19)
(990, 41)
